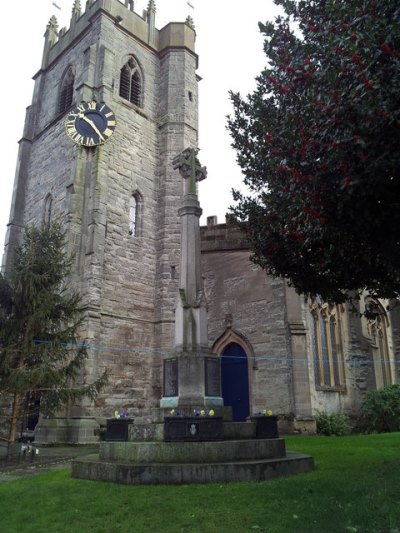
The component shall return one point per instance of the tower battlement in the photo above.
(174, 34)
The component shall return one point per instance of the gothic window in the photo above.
(326, 344)
(66, 91)
(377, 329)
(130, 82)
(48, 205)
(135, 205)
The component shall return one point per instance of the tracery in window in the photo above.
(377, 328)
(130, 83)
(326, 344)
(66, 90)
(135, 205)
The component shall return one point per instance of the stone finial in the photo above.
(151, 21)
(76, 9)
(53, 24)
(151, 6)
(190, 22)
(51, 34)
(50, 39)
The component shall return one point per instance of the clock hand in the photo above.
(92, 124)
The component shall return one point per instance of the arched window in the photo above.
(48, 206)
(326, 344)
(377, 328)
(66, 91)
(135, 206)
(130, 82)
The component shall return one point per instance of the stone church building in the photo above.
(115, 101)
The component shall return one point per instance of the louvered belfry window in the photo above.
(67, 91)
(130, 84)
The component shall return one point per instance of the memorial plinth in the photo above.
(149, 463)
(191, 381)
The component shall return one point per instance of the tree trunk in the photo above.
(14, 420)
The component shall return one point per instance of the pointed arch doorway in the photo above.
(236, 374)
(235, 381)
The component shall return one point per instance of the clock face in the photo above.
(90, 123)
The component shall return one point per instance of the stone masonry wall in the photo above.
(241, 297)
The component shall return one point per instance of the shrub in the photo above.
(332, 424)
(380, 410)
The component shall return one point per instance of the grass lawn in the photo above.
(355, 488)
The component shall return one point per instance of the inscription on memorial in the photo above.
(170, 377)
(212, 370)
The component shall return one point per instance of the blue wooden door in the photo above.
(235, 381)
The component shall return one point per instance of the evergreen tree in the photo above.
(319, 144)
(40, 318)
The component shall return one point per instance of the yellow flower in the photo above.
(267, 412)
(202, 412)
(211, 412)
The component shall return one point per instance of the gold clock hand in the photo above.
(92, 124)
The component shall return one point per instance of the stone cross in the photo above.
(190, 168)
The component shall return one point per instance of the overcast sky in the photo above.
(229, 46)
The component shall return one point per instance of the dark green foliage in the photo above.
(380, 410)
(332, 424)
(319, 146)
(40, 318)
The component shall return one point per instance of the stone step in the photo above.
(192, 452)
(92, 468)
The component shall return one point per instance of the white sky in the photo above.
(229, 46)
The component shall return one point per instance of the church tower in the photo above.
(115, 100)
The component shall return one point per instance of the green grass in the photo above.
(356, 487)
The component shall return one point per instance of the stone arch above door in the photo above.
(231, 336)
